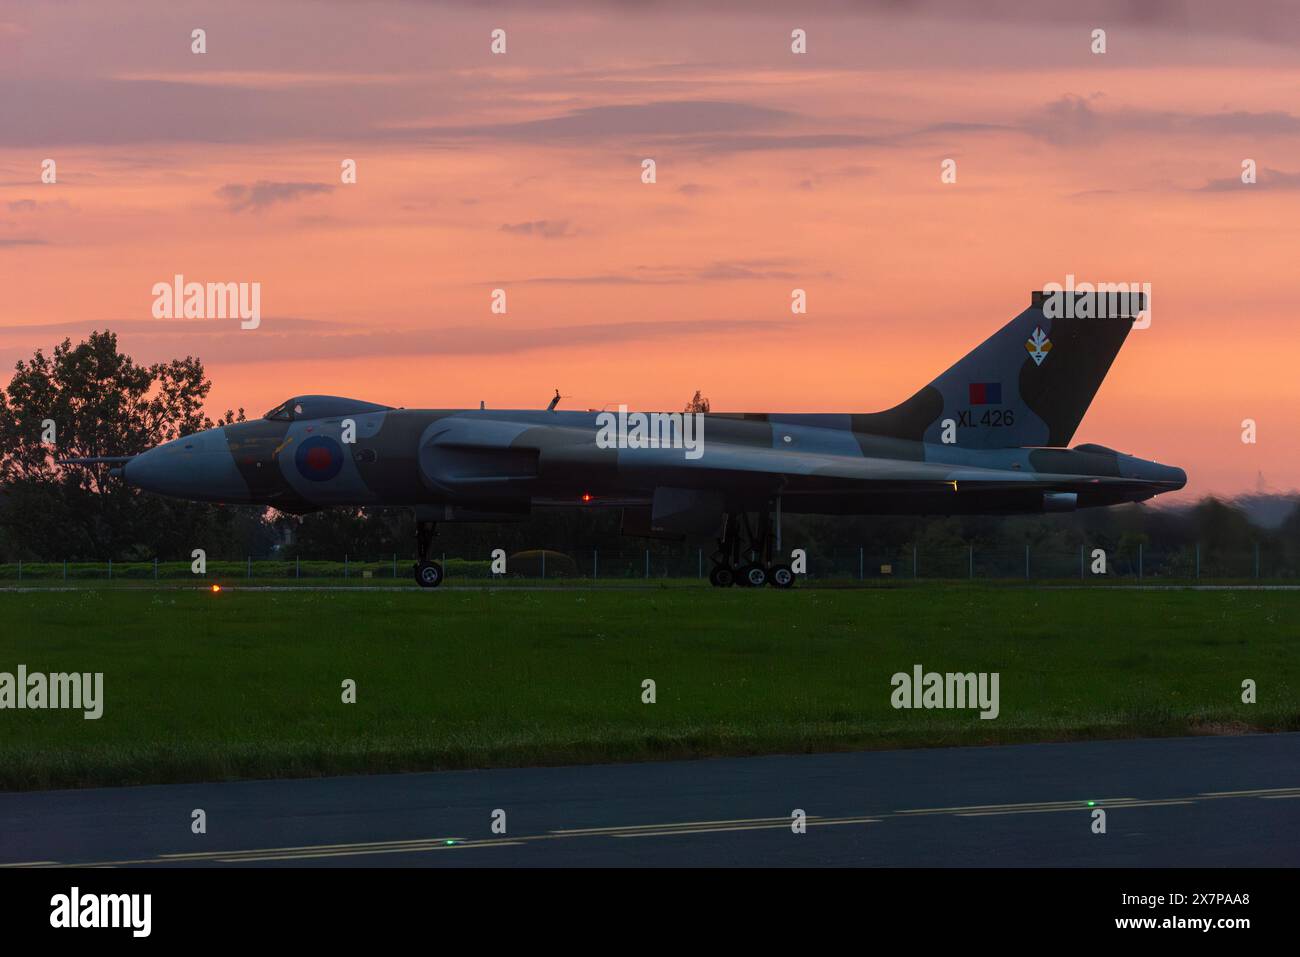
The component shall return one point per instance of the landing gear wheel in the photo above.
(428, 574)
(753, 576)
(782, 576)
(722, 577)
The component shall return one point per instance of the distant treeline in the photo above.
(1218, 527)
(170, 531)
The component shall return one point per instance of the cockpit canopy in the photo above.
(321, 407)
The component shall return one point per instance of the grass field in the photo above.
(201, 686)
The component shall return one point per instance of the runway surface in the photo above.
(1206, 801)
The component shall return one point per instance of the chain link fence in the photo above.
(1137, 563)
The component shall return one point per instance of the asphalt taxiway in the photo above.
(1203, 801)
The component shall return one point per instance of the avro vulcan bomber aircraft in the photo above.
(987, 436)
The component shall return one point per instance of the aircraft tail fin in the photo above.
(1030, 383)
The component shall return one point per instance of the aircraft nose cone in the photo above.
(198, 467)
(151, 471)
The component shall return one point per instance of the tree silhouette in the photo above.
(698, 403)
(99, 402)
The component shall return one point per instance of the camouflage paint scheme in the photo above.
(1012, 404)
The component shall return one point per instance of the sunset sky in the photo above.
(775, 171)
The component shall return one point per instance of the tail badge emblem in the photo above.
(1038, 345)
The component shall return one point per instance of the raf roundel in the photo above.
(319, 459)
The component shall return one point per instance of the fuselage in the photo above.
(486, 462)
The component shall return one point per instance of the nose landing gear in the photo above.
(428, 574)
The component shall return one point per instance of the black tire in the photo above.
(722, 577)
(753, 576)
(428, 574)
(781, 576)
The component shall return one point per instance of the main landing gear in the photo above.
(745, 554)
(427, 573)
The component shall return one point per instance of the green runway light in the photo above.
(1092, 804)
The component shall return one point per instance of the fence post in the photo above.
(700, 573)
(155, 568)
(861, 567)
(1198, 561)
(250, 567)
(20, 569)
(345, 565)
(595, 564)
(65, 569)
(394, 566)
(971, 557)
(297, 566)
(1026, 562)
(1257, 561)
(647, 563)
(110, 569)
(543, 564)
(1081, 575)
(1139, 561)
(913, 563)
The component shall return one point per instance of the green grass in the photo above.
(247, 684)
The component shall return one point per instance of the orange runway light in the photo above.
(216, 588)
